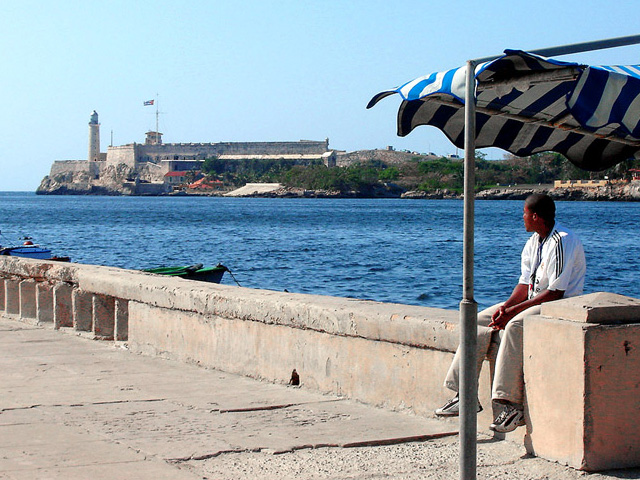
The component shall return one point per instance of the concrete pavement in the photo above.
(74, 408)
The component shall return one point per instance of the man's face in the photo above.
(529, 219)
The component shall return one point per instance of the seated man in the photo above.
(552, 267)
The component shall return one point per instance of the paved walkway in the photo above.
(73, 408)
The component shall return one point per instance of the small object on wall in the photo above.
(295, 378)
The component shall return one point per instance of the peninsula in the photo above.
(309, 168)
(150, 168)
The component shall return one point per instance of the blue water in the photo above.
(390, 250)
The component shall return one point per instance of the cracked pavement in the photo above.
(71, 406)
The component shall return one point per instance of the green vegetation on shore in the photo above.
(421, 173)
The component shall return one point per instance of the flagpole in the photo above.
(157, 115)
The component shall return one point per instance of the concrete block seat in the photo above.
(582, 376)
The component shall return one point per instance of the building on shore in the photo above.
(142, 168)
(584, 183)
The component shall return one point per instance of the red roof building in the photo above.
(175, 178)
(206, 184)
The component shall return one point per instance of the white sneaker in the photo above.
(510, 419)
(452, 408)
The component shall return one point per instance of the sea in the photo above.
(387, 250)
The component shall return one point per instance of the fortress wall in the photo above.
(272, 148)
(180, 165)
(201, 151)
(61, 167)
(122, 154)
(177, 151)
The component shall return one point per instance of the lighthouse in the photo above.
(94, 138)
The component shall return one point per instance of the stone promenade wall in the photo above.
(581, 355)
(383, 354)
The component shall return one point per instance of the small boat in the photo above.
(29, 250)
(192, 272)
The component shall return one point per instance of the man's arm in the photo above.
(518, 295)
(518, 302)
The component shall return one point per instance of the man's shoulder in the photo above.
(560, 232)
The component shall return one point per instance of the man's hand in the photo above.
(518, 303)
(500, 318)
(508, 310)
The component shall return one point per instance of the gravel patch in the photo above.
(431, 460)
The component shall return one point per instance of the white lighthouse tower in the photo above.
(94, 138)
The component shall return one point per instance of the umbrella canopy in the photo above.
(527, 103)
(524, 103)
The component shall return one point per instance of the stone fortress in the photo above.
(141, 169)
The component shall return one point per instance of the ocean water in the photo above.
(389, 250)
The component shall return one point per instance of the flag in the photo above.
(148, 102)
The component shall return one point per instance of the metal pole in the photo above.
(588, 46)
(468, 307)
(577, 47)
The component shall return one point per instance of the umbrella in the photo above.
(524, 103)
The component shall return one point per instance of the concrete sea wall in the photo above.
(383, 354)
(581, 354)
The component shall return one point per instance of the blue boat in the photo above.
(29, 250)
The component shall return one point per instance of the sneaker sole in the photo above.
(447, 414)
(442, 413)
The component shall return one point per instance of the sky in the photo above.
(254, 70)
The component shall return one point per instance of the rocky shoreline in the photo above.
(629, 192)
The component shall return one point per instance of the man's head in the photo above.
(539, 212)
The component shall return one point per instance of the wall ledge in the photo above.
(600, 307)
(421, 327)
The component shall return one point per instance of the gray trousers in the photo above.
(508, 380)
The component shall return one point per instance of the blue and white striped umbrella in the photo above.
(528, 104)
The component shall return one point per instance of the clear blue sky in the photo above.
(254, 70)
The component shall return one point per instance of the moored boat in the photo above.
(29, 250)
(192, 272)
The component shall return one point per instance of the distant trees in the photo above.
(549, 166)
(239, 172)
(417, 173)
(344, 179)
